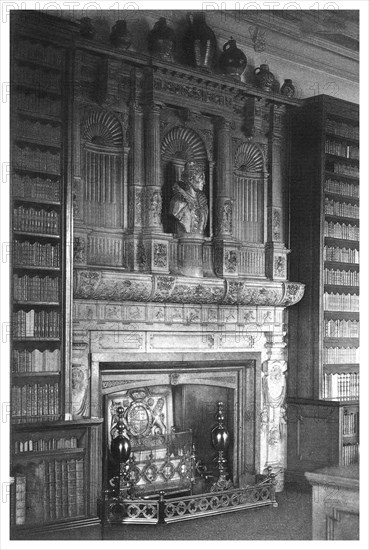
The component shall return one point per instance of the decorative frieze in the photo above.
(122, 286)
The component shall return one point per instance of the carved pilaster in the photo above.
(273, 411)
(136, 178)
(153, 176)
(255, 115)
(276, 253)
(226, 255)
(275, 204)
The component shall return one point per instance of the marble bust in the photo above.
(189, 204)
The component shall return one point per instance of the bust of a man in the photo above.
(189, 204)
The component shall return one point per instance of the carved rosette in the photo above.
(119, 286)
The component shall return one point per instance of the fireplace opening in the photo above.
(169, 429)
(182, 439)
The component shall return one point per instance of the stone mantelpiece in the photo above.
(207, 325)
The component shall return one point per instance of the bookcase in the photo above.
(52, 457)
(324, 326)
(39, 229)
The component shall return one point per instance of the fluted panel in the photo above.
(248, 158)
(183, 143)
(249, 209)
(102, 189)
(252, 261)
(104, 251)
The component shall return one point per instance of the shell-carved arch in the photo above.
(249, 158)
(101, 128)
(183, 143)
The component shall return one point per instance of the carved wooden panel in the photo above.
(249, 209)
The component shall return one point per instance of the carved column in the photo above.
(155, 242)
(276, 252)
(136, 189)
(226, 257)
(273, 408)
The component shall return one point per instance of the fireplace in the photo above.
(145, 341)
(168, 397)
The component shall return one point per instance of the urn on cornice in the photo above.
(162, 40)
(288, 89)
(120, 36)
(232, 60)
(86, 28)
(264, 78)
(199, 42)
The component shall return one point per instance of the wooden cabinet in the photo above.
(324, 326)
(335, 503)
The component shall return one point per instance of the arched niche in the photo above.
(249, 194)
(179, 145)
(102, 169)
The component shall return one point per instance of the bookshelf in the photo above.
(53, 457)
(324, 327)
(39, 231)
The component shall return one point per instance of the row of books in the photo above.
(38, 131)
(340, 328)
(36, 324)
(50, 444)
(36, 288)
(36, 254)
(32, 158)
(341, 231)
(350, 453)
(35, 402)
(342, 129)
(341, 385)
(37, 103)
(38, 77)
(343, 169)
(29, 187)
(340, 355)
(35, 360)
(344, 255)
(54, 490)
(340, 302)
(336, 208)
(341, 149)
(341, 188)
(35, 220)
(350, 423)
(341, 277)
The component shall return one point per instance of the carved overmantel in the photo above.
(143, 291)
